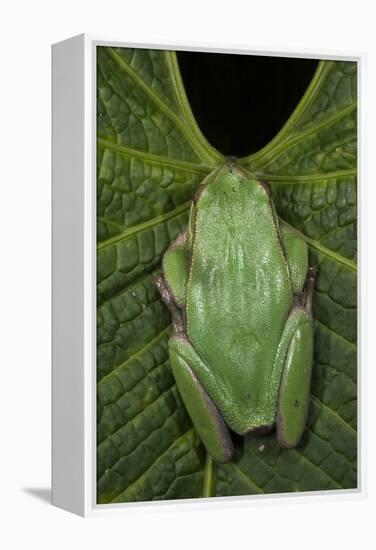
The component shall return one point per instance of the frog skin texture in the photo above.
(239, 289)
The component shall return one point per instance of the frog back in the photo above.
(238, 297)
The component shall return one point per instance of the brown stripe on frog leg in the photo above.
(168, 298)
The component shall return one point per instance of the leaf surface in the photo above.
(151, 156)
(311, 166)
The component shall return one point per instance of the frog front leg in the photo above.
(175, 267)
(171, 283)
(295, 352)
(297, 257)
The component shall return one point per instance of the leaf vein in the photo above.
(244, 476)
(321, 248)
(336, 334)
(156, 100)
(155, 159)
(278, 178)
(159, 459)
(131, 231)
(335, 414)
(141, 351)
(297, 138)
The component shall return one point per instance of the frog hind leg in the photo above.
(204, 414)
(295, 383)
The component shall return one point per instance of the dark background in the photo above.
(241, 101)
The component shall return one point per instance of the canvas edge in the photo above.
(87, 465)
(68, 381)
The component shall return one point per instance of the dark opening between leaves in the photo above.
(240, 102)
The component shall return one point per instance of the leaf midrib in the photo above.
(307, 99)
(131, 231)
(301, 136)
(184, 128)
(155, 159)
(278, 178)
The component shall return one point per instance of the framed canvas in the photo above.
(205, 287)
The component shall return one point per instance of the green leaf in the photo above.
(151, 156)
(311, 166)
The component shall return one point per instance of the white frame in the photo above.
(74, 279)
